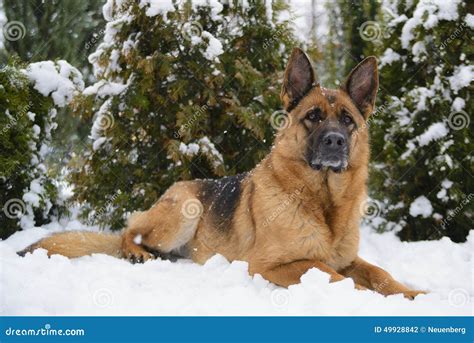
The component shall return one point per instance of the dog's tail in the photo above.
(79, 243)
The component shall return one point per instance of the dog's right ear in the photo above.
(299, 79)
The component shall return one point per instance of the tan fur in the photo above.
(289, 218)
(163, 227)
(79, 243)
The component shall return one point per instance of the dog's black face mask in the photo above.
(329, 149)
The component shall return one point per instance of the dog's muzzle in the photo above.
(331, 152)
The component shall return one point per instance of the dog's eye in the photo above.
(346, 119)
(314, 115)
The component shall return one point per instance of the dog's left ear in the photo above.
(362, 85)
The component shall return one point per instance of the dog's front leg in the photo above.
(132, 236)
(377, 279)
(290, 273)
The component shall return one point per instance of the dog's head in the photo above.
(327, 128)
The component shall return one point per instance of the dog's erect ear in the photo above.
(362, 85)
(299, 79)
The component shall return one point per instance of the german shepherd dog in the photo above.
(298, 209)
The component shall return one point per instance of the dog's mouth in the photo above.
(335, 163)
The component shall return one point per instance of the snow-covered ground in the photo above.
(103, 285)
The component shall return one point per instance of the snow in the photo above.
(137, 239)
(418, 49)
(36, 131)
(114, 61)
(191, 149)
(428, 13)
(209, 148)
(462, 77)
(32, 198)
(103, 285)
(98, 143)
(116, 13)
(458, 104)
(407, 34)
(112, 5)
(445, 10)
(31, 115)
(442, 194)
(469, 20)
(214, 47)
(36, 187)
(388, 57)
(205, 146)
(434, 132)
(60, 80)
(105, 88)
(422, 94)
(215, 6)
(446, 184)
(421, 207)
(163, 7)
(156, 7)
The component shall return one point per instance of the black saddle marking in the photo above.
(220, 198)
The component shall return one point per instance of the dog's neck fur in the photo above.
(324, 187)
(335, 197)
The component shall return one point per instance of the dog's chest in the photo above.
(333, 240)
(318, 241)
(344, 250)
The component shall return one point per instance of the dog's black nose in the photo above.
(334, 141)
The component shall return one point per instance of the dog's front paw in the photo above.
(412, 294)
(139, 256)
(136, 254)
